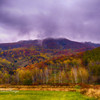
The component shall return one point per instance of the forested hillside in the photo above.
(91, 59)
(49, 66)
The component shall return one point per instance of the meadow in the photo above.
(42, 95)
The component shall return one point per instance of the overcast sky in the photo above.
(77, 20)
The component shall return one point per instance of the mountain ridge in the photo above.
(49, 43)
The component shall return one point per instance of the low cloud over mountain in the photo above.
(29, 19)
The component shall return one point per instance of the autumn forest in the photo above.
(28, 64)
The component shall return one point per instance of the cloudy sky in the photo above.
(77, 20)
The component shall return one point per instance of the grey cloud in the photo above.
(72, 19)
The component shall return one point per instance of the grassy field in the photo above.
(42, 95)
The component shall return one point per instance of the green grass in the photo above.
(42, 95)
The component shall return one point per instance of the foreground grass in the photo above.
(42, 95)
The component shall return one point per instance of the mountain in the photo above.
(63, 43)
(36, 60)
(48, 43)
(92, 44)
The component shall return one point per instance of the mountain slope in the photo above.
(92, 44)
(48, 43)
(62, 43)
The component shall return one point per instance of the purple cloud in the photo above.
(77, 20)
